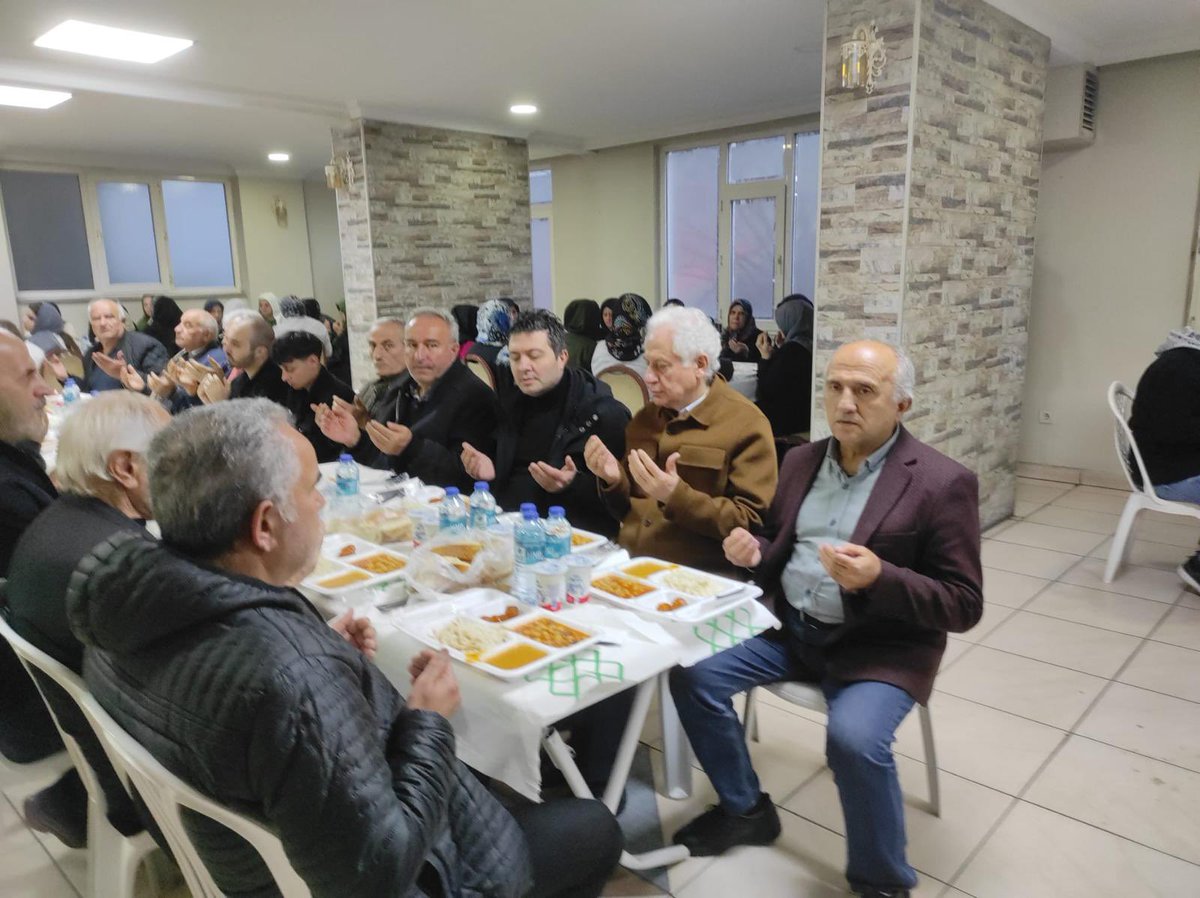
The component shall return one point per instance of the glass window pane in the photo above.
(754, 254)
(198, 233)
(44, 212)
(692, 214)
(806, 191)
(543, 287)
(541, 189)
(756, 160)
(128, 226)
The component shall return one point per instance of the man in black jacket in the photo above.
(439, 406)
(1166, 424)
(27, 732)
(101, 468)
(116, 347)
(204, 654)
(247, 343)
(548, 411)
(298, 355)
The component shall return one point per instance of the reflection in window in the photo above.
(198, 233)
(754, 254)
(692, 185)
(543, 286)
(756, 160)
(46, 231)
(128, 228)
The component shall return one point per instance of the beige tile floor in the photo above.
(1068, 735)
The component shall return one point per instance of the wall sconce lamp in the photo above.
(863, 57)
(339, 172)
(280, 208)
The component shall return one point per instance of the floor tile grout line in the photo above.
(1140, 754)
(54, 862)
(1069, 620)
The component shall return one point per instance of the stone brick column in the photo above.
(432, 218)
(928, 197)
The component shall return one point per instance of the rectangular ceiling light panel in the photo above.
(30, 97)
(111, 43)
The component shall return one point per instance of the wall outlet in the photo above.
(1044, 417)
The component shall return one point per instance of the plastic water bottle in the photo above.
(347, 476)
(529, 549)
(453, 512)
(558, 533)
(70, 391)
(483, 507)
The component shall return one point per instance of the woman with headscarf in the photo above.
(492, 324)
(582, 321)
(785, 372)
(739, 339)
(163, 320)
(608, 311)
(623, 345)
(268, 307)
(465, 315)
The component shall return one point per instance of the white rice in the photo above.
(469, 635)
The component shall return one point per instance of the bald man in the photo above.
(117, 348)
(870, 551)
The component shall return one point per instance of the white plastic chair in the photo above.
(113, 858)
(1120, 401)
(810, 696)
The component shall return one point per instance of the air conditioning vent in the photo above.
(1072, 93)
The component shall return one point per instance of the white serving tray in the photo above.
(423, 622)
(698, 608)
(335, 543)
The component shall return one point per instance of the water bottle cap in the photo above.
(530, 513)
(345, 456)
(528, 506)
(481, 486)
(557, 511)
(451, 492)
(70, 382)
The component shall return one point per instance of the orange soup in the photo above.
(342, 580)
(515, 656)
(646, 568)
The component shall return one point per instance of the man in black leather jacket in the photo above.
(203, 652)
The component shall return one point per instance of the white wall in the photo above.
(1115, 227)
(276, 256)
(605, 224)
(324, 244)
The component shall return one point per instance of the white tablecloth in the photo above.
(745, 379)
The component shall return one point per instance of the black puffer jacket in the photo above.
(241, 689)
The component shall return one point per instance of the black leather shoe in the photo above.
(61, 811)
(716, 830)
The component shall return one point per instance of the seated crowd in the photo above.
(866, 544)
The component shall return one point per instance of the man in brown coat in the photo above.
(871, 551)
(700, 460)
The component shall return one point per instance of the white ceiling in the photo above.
(275, 74)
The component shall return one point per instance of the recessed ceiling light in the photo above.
(279, 157)
(522, 109)
(31, 97)
(111, 43)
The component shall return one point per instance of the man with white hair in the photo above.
(204, 652)
(700, 459)
(871, 554)
(104, 489)
(117, 347)
(200, 355)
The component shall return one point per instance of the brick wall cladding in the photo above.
(944, 261)
(446, 218)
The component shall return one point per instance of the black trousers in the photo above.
(574, 844)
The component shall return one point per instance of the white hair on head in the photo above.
(208, 322)
(391, 319)
(431, 312)
(692, 335)
(95, 302)
(115, 420)
(906, 375)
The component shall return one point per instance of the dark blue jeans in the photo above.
(863, 718)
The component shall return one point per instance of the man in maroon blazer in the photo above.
(871, 553)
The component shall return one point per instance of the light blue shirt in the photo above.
(828, 515)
